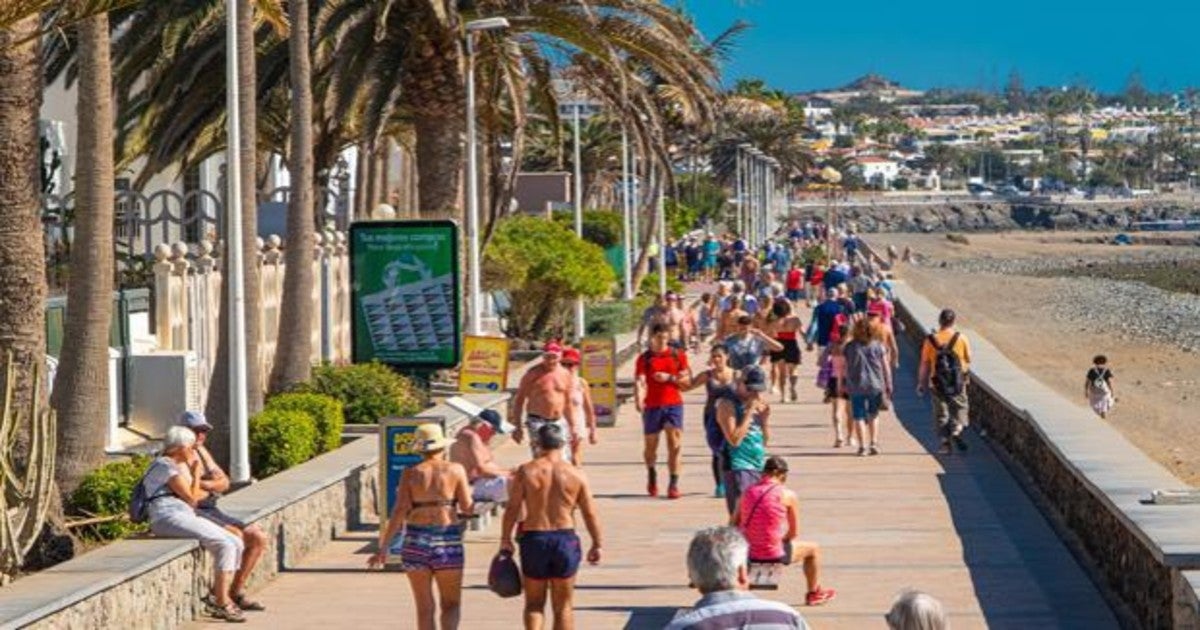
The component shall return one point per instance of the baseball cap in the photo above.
(754, 379)
(571, 355)
(552, 347)
(194, 420)
(492, 417)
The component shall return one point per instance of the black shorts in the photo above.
(831, 390)
(789, 354)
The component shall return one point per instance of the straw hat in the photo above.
(429, 437)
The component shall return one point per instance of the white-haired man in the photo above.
(718, 567)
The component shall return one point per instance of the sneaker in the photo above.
(652, 489)
(874, 450)
(960, 443)
(862, 452)
(819, 596)
(673, 492)
(720, 491)
(795, 396)
(838, 443)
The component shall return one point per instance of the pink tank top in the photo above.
(764, 519)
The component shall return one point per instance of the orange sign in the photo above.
(484, 365)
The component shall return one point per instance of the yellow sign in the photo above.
(599, 368)
(484, 365)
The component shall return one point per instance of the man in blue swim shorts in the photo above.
(547, 490)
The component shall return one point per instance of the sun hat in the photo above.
(754, 379)
(430, 437)
(571, 356)
(194, 420)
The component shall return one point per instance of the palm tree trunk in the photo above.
(217, 406)
(293, 352)
(439, 165)
(23, 281)
(81, 385)
(360, 183)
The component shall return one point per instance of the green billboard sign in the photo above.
(404, 293)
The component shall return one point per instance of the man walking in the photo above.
(547, 490)
(718, 566)
(660, 375)
(945, 371)
(543, 396)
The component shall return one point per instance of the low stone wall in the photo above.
(157, 583)
(1092, 480)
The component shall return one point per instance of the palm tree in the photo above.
(81, 384)
(293, 353)
(23, 283)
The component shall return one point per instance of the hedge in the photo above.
(326, 413)
(280, 439)
(367, 391)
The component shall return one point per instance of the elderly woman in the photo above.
(914, 610)
(426, 502)
(172, 487)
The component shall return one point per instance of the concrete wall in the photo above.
(157, 583)
(1091, 482)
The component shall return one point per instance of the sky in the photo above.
(799, 45)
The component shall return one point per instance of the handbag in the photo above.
(504, 577)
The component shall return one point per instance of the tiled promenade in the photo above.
(959, 528)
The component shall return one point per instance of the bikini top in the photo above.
(439, 503)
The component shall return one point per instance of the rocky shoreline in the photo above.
(992, 216)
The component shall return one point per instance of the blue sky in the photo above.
(800, 45)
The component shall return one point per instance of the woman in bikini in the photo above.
(787, 327)
(432, 498)
(719, 380)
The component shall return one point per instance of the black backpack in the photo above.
(947, 368)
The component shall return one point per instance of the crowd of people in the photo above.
(770, 307)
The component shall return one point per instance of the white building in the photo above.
(878, 170)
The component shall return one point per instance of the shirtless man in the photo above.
(547, 490)
(659, 313)
(489, 480)
(543, 397)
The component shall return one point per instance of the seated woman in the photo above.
(426, 503)
(769, 517)
(172, 488)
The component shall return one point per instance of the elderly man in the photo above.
(718, 567)
(489, 480)
(213, 483)
(543, 397)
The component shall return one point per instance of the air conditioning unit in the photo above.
(162, 385)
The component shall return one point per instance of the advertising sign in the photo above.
(599, 368)
(397, 451)
(484, 367)
(404, 293)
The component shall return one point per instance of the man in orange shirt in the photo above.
(945, 368)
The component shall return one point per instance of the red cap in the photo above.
(571, 355)
(552, 347)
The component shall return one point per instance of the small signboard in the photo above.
(484, 367)
(397, 451)
(405, 294)
(599, 368)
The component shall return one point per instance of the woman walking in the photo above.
(580, 398)
(720, 382)
(834, 395)
(868, 381)
(1098, 386)
(787, 327)
(744, 420)
(426, 502)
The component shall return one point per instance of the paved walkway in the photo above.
(960, 528)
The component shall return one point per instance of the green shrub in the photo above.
(106, 492)
(367, 391)
(279, 440)
(650, 284)
(609, 318)
(600, 227)
(325, 411)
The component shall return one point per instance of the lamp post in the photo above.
(475, 320)
(740, 222)
(626, 211)
(755, 195)
(239, 408)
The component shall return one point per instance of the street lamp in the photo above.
(475, 323)
(741, 199)
(755, 196)
(239, 408)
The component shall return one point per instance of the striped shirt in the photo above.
(738, 610)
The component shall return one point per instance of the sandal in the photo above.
(247, 604)
(229, 614)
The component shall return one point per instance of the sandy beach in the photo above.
(1053, 326)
